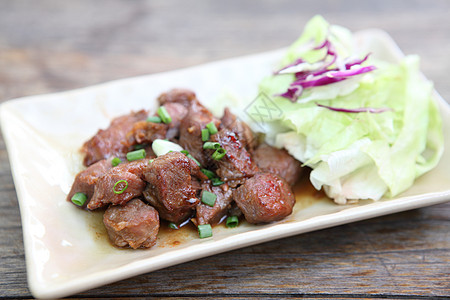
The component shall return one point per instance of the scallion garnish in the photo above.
(154, 119)
(164, 115)
(205, 134)
(208, 173)
(232, 221)
(211, 128)
(151, 160)
(216, 181)
(185, 152)
(211, 145)
(122, 189)
(173, 225)
(219, 153)
(115, 161)
(204, 231)
(135, 155)
(209, 198)
(79, 199)
(139, 146)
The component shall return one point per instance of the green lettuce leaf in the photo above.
(357, 155)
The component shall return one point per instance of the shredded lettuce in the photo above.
(365, 137)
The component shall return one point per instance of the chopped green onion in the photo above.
(122, 189)
(150, 161)
(211, 128)
(139, 146)
(115, 161)
(164, 115)
(216, 181)
(205, 134)
(204, 231)
(79, 199)
(211, 145)
(185, 152)
(208, 173)
(154, 119)
(219, 153)
(209, 198)
(232, 222)
(173, 225)
(135, 155)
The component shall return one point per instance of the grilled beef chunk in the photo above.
(181, 96)
(212, 215)
(277, 161)
(135, 224)
(108, 190)
(111, 141)
(191, 132)
(244, 133)
(177, 112)
(170, 189)
(85, 180)
(237, 164)
(144, 132)
(264, 198)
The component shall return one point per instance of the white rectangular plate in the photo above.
(66, 248)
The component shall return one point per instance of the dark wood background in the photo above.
(49, 46)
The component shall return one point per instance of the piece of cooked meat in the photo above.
(212, 215)
(177, 112)
(144, 132)
(191, 132)
(277, 161)
(264, 198)
(111, 141)
(183, 96)
(85, 180)
(237, 164)
(108, 190)
(244, 133)
(134, 224)
(171, 189)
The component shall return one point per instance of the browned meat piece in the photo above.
(264, 198)
(212, 215)
(112, 141)
(182, 96)
(107, 191)
(191, 132)
(135, 224)
(237, 164)
(144, 132)
(85, 180)
(170, 189)
(177, 112)
(277, 161)
(245, 134)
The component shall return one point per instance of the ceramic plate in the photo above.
(67, 250)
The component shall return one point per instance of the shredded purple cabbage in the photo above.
(324, 74)
(356, 110)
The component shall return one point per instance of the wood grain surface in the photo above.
(49, 46)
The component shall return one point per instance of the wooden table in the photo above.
(48, 46)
